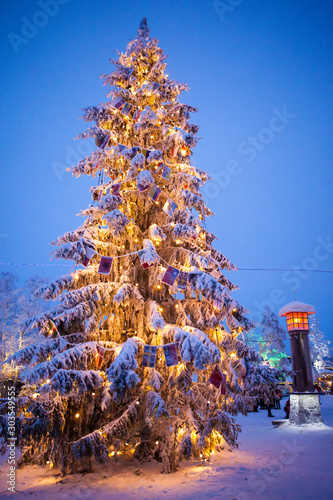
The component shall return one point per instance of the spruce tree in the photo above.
(149, 289)
(273, 347)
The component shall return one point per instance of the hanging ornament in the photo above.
(216, 377)
(62, 344)
(105, 265)
(118, 103)
(170, 276)
(137, 114)
(169, 207)
(99, 355)
(114, 189)
(182, 280)
(154, 193)
(170, 355)
(102, 142)
(127, 109)
(166, 172)
(218, 301)
(149, 356)
(52, 329)
(90, 252)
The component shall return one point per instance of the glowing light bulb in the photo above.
(158, 287)
(48, 381)
(77, 415)
(176, 306)
(160, 309)
(138, 402)
(156, 442)
(93, 394)
(76, 277)
(136, 284)
(157, 243)
(178, 242)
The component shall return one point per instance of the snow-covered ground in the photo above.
(270, 463)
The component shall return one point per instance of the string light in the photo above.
(178, 242)
(156, 442)
(159, 287)
(77, 415)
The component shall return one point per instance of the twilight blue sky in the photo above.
(261, 75)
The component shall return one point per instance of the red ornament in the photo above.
(216, 377)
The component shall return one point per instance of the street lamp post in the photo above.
(304, 402)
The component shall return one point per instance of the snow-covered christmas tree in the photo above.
(141, 357)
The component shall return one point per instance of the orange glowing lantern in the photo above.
(297, 315)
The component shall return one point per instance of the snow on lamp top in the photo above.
(297, 315)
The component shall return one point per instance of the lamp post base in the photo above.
(304, 408)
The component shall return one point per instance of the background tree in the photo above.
(151, 288)
(272, 346)
(320, 346)
(16, 306)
